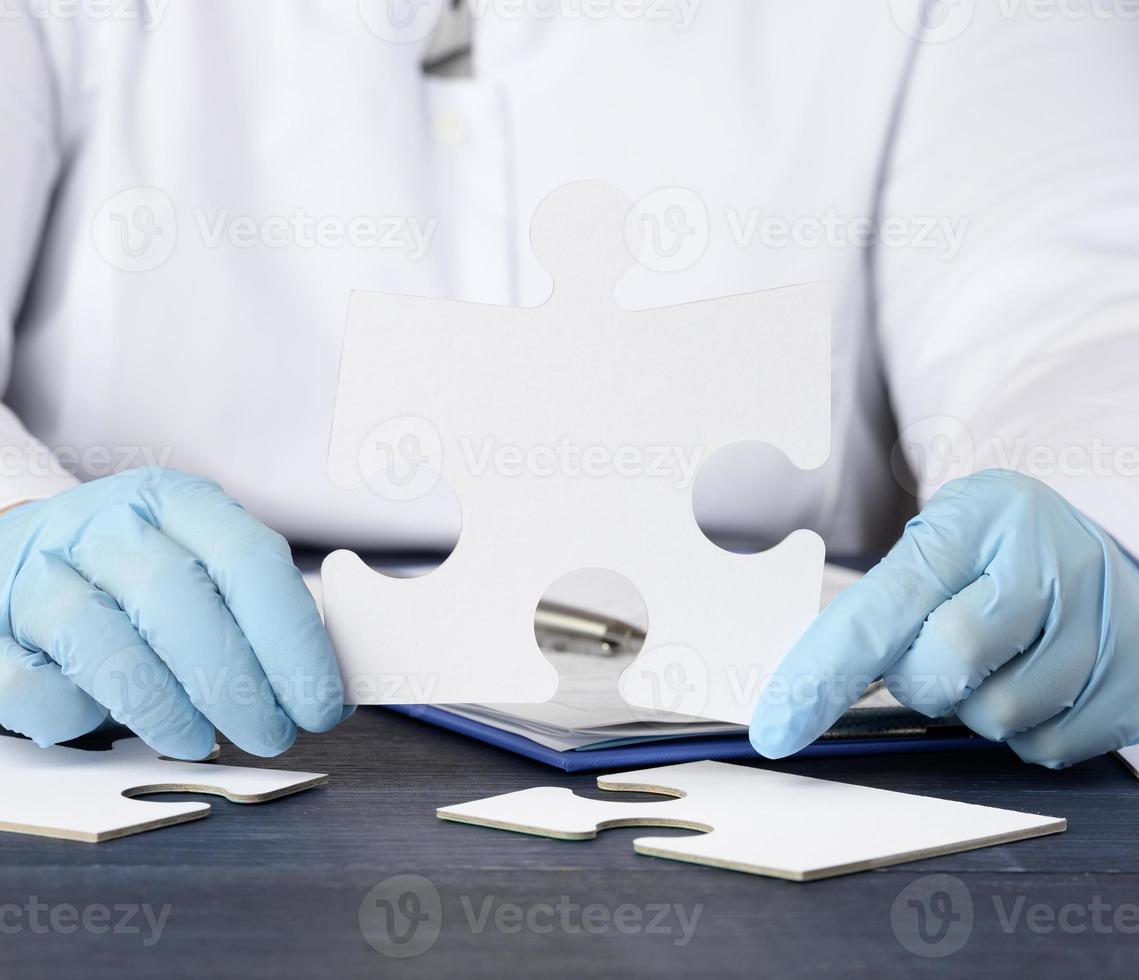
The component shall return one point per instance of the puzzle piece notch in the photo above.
(87, 796)
(584, 371)
(760, 821)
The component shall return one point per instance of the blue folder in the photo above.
(664, 752)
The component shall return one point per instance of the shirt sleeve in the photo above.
(30, 164)
(1007, 291)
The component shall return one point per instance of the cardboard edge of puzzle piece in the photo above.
(64, 778)
(558, 813)
(660, 847)
(1129, 756)
(492, 812)
(1028, 826)
(101, 837)
(261, 796)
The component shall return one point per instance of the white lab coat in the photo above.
(994, 320)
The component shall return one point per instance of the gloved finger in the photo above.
(1101, 717)
(55, 609)
(864, 631)
(1076, 734)
(176, 609)
(1047, 679)
(967, 637)
(37, 700)
(1036, 685)
(254, 572)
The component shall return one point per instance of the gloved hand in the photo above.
(153, 597)
(1001, 602)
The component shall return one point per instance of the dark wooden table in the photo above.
(276, 890)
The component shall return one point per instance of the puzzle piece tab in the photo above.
(85, 796)
(761, 822)
(570, 434)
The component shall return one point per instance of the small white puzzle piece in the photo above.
(761, 822)
(565, 431)
(85, 796)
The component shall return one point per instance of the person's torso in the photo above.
(235, 170)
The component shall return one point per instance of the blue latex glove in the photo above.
(1001, 602)
(153, 597)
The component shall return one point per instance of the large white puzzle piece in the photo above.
(85, 796)
(761, 822)
(569, 433)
